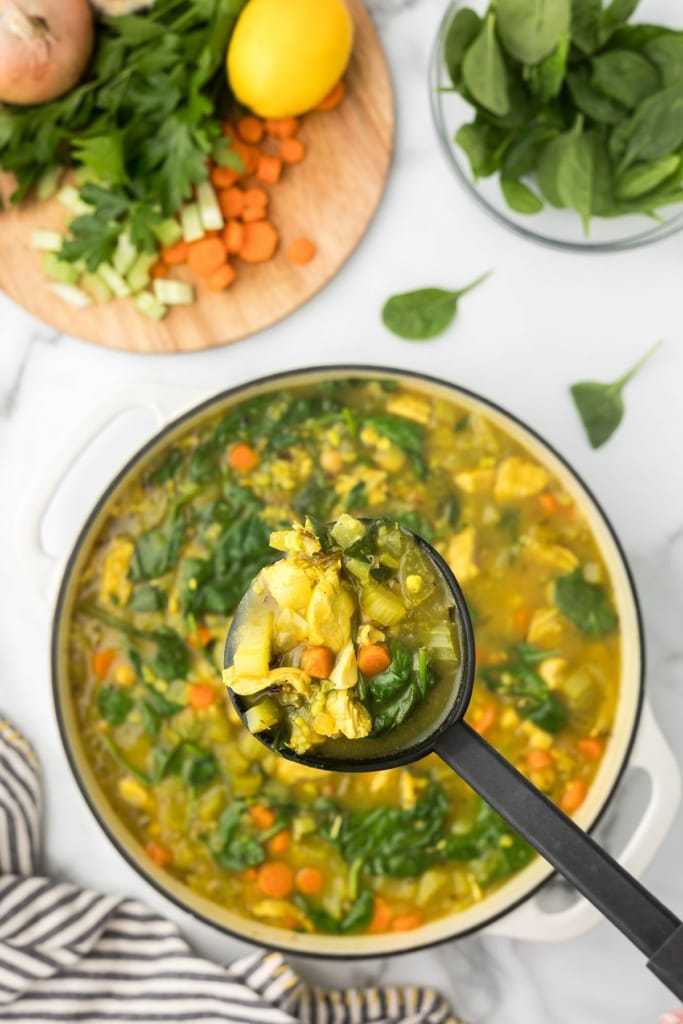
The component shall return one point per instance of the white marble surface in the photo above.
(544, 319)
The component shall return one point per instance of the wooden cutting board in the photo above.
(330, 198)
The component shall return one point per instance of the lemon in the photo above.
(286, 55)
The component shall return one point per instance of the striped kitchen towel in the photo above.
(69, 954)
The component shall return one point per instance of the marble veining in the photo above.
(543, 320)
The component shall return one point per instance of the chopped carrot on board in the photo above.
(231, 202)
(262, 816)
(253, 213)
(301, 251)
(283, 127)
(317, 662)
(276, 880)
(101, 662)
(373, 659)
(222, 279)
(309, 880)
(256, 197)
(206, 256)
(158, 270)
(269, 169)
(292, 151)
(174, 255)
(249, 155)
(224, 177)
(201, 696)
(260, 242)
(251, 129)
(333, 98)
(243, 456)
(233, 236)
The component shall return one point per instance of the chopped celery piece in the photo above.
(70, 197)
(168, 232)
(97, 289)
(125, 254)
(174, 293)
(381, 605)
(359, 568)
(209, 209)
(262, 716)
(74, 296)
(113, 280)
(46, 241)
(138, 277)
(191, 223)
(253, 650)
(150, 306)
(48, 185)
(347, 530)
(60, 270)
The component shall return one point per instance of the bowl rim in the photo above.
(657, 233)
(59, 622)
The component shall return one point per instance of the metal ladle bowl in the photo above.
(646, 922)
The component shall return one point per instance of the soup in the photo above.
(298, 848)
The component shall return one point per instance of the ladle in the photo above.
(647, 923)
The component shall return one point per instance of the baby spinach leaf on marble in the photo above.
(483, 70)
(462, 31)
(156, 552)
(625, 77)
(114, 704)
(601, 406)
(643, 178)
(586, 605)
(520, 197)
(425, 313)
(531, 29)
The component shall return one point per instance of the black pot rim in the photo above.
(191, 413)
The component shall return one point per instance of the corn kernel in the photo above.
(414, 584)
(133, 792)
(124, 675)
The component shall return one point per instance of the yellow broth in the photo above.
(291, 846)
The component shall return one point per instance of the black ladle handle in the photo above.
(654, 929)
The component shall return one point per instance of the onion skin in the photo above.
(45, 46)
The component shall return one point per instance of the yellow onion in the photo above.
(45, 46)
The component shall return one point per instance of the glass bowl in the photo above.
(560, 228)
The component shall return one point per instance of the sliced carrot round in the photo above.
(292, 151)
(224, 177)
(301, 251)
(243, 456)
(373, 659)
(256, 197)
(158, 270)
(101, 662)
(262, 816)
(381, 918)
(280, 842)
(283, 127)
(333, 98)
(222, 279)
(251, 129)
(158, 853)
(174, 255)
(201, 696)
(260, 242)
(309, 880)
(206, 256)
(269, 169)
(253, 213)
(233, 236)
(407, 922)
(231, 202)
(276, 880)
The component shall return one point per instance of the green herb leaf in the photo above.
(423, 314)
(531, 29)
(407, 435)
(172, 660)
(167, 468)
(156, 552)
(148, 599)
(586, 605)
(520, 197)
(625, 77)
(114, 704)
(483, 70)
(601, 406)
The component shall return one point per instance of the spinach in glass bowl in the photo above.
(564, 118)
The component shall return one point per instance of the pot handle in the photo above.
(653, 755)
(164, 400)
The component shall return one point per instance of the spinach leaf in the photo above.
(125, 762)
(591, 102)
(548, 169)
(204, 467)
(316, 498)
(167, 468)
(656, 128)
(148, 599)
(232, 847)
(196, 766)
(462, 31)
(482, 143)
(422, 314)
(356, 919)
(522, 154)
(416, 522)
(643, 178)
(520, 197)
(151, 719)
(575, 176)
(483, 70)
(586, 605)
(601, 406)
(545, 79)
(159, 703)
(172, 659)
(156, 552)
(531, 29)
(407, 435)
(518, 682)
(114, 704)
(625, 77)
(392, 695)
(396, 678)
(500, 851)
(592, 27)
(666, 53)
